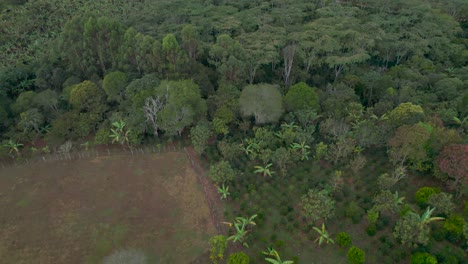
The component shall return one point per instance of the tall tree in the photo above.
(342, 42)
(191, 41)
(228, 56)
(184, 105)
(263, 101)
(172, 52)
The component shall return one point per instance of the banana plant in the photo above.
(427, 217)
(291, 125)
(271, 252)
(397, 200)
(119, 133)
(302, 148)
(241, 224)
(264, 170)
(323, 236)
(251, 147)
(224, 191)
(13, 147)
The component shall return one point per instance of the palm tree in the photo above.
(426, 217)
(302, 148)
(323, 236)
(265, 171)
(118, 133)
(224, 191)
(277, 259)
(13, 147)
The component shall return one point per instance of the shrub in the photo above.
(438, 233)
(301, 96)
(127, 256)
(422, 195)
(371, 230)
(221, 172)
(218, 247)
(442, 202)
(317, 205)
(451, 254)
(354, 211)
(356, 255)
(343, 239)
(423, 258)
(454, 227)
(102, 136)
(238, 258)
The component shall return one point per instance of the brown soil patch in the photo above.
(79, 211)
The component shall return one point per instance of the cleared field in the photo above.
(81, 211)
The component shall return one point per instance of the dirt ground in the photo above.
(80, 211)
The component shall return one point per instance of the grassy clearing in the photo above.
(84, 210)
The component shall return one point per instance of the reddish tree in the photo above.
(452, 164)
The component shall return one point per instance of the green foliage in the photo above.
(47, 101)
(321, 151)
(448, 89)
(264, 170)
(406, 114)
(119, 133)
(86, 96)
(73, 125)
(263, 101)
(238, 258)
(224, 191)
(174, 56)
(422, 195)
(221, 172)
(413, 229)
(114, 85)
(183, 105)
(343, 239)
(354, 212)
(13, 147)
(241, 225)
(317, 205)
(301, 96)
(199, 135)
(442, 202)
(274, 257)
(355, 255)
(24, 101)
(102, 135)
(229, 151)
(218, 247)
(410, 144)
(222, 118)
(423, 258)
(31, 120)
(323, 236)
(454, 225)
(380, 68)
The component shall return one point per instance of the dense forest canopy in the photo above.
(269, 83)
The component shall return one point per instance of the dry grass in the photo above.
(81, 211)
